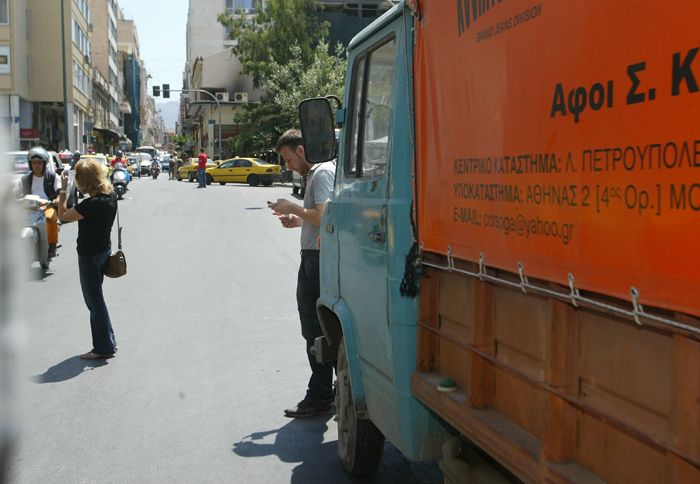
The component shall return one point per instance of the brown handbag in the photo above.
(116, 263)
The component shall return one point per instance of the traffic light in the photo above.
(166, 90)
(156, 91)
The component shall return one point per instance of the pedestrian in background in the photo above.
(201, 169)
(171, 167)
(320, 177)
(95, 216)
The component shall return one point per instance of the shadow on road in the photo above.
(39, 274)
(298, 441)
(68, 369)
(301, 441)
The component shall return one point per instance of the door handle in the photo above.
(376, 236)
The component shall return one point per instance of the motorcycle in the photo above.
(33, 233)
(120, 180)
(155, 170)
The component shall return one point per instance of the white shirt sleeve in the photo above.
(323, 186)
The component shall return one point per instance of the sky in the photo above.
(162, 29)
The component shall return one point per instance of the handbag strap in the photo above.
(119, 229)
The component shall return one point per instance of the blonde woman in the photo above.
(95, 216)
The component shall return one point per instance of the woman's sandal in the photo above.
(96, 356)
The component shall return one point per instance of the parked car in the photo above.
(188, 171)
(298, 184)
(252, 171)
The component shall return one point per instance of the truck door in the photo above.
(361, 203)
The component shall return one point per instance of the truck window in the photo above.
(371, 112)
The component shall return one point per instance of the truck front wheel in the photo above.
(360, 443)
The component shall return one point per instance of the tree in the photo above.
(285, 86)
(272, 34)
(284, 49)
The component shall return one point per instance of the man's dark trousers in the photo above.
(320, 388)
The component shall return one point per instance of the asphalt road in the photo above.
(209, 354)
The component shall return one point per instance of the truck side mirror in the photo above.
(318, 130)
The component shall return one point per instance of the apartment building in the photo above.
(33, 38)
(79, 108)
(134, 79)
(108, 130)
(211, 66)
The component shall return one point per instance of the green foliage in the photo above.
(273, 33)
(284, 50)
(180, 139)
(285, 86)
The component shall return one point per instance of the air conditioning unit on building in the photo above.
(240, 97)
(222, 96)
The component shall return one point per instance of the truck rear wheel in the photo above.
(360, 443)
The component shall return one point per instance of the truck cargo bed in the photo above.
(558, 393)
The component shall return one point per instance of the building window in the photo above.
(5, 59)
(84, 7)
(249, 6)
(80, 38)
(4, 12)
(81, 79)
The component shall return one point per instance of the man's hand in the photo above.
(289, 221)
(283, 207)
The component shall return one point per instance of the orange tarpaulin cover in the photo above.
(564, 135)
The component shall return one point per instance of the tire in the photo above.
(267, 183)
(253, 180)
(360, 443)
(177, 175)
(302, 192)
(222, 183)
(295, 190)
(190, 177)
(209, 179)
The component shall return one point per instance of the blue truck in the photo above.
(483, 266)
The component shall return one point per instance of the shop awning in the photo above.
(108, 134)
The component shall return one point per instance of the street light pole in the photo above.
(65, 79)
(218, 108)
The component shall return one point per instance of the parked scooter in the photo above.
(155, 169)
(33, 232)
(120, 180)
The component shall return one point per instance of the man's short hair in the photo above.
(291, 138)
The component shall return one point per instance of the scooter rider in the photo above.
(117, 159)
(44, 183)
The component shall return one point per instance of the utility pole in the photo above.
(65, 78)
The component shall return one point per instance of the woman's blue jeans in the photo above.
(91, 269)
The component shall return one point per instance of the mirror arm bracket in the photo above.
(337, 100)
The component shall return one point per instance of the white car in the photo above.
(145, 163)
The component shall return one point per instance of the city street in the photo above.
(210, 353)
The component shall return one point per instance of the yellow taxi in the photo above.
(252, 171)
(188, 171)
(101, 159)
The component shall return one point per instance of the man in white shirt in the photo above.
(44, 183)
(319, 184)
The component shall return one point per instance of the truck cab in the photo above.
(366, 235)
